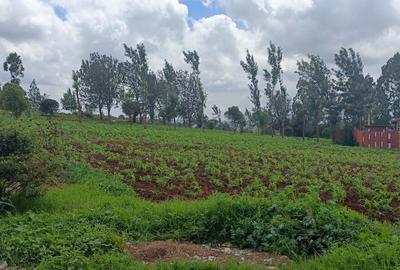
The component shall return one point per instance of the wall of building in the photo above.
(377, 137)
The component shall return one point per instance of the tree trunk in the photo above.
(141, 118)
(109, 112)
(272, 129)
(317, 127)
(79, 106)
(101, 112)
(144, 119)
(304, 128)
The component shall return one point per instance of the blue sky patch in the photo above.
(61, 12)
(198, 10)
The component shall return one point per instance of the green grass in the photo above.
(84, 219)
(84, 222)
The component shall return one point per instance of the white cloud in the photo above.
(51, 47)
(207, 3)
(295, 5)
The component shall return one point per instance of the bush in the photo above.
(345, 136)
(13, 99)
(19, 170)
(305, 227)
(49, 106)
(13, 143)
(36, 241)
(326, 133)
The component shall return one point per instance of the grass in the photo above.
(84, 222)
(89, 211)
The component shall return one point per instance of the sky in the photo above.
(53, 36)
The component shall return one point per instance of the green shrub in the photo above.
(70, 261)
(13, 99)
(31, 239)
(49, 106)
(13, 142)
(21, 169)
(345, 136)
(303, 227)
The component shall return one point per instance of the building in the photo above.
(378, 136)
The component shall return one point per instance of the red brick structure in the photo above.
(376, 136)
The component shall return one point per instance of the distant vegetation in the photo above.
(327, 100)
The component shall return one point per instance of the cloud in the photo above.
(207, 3)
(52, 36)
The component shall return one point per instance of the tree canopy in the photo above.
(13, 64)
(49, 106)
(13, 99)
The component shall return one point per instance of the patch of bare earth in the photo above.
(164, 251)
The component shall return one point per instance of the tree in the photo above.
(169, 98)
(313, 89)
(333, 110)
(248, 116)
(34, 95)
(217, 113)
(13, 99)
(352, 87)
(278, 102)
(281, 110)
(77, 93)
(92, 82)
(68, 101)
(300, 114)
(13, 64)
(388, 90)
(100, 79)
(136, 78)
(196, 87)
(381, 108)
(112, 80)
(236, 118)
(251, 68)
(187, 98)
(130, 108)
(49, 106)
(154, 88)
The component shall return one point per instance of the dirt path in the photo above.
(171, 251)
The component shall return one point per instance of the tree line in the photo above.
(326, 99)
(103, 82)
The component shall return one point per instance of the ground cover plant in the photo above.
(162, 163)
(123, 184)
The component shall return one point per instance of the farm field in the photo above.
(308, 205)
(161, 163)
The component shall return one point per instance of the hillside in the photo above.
(113, 184)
